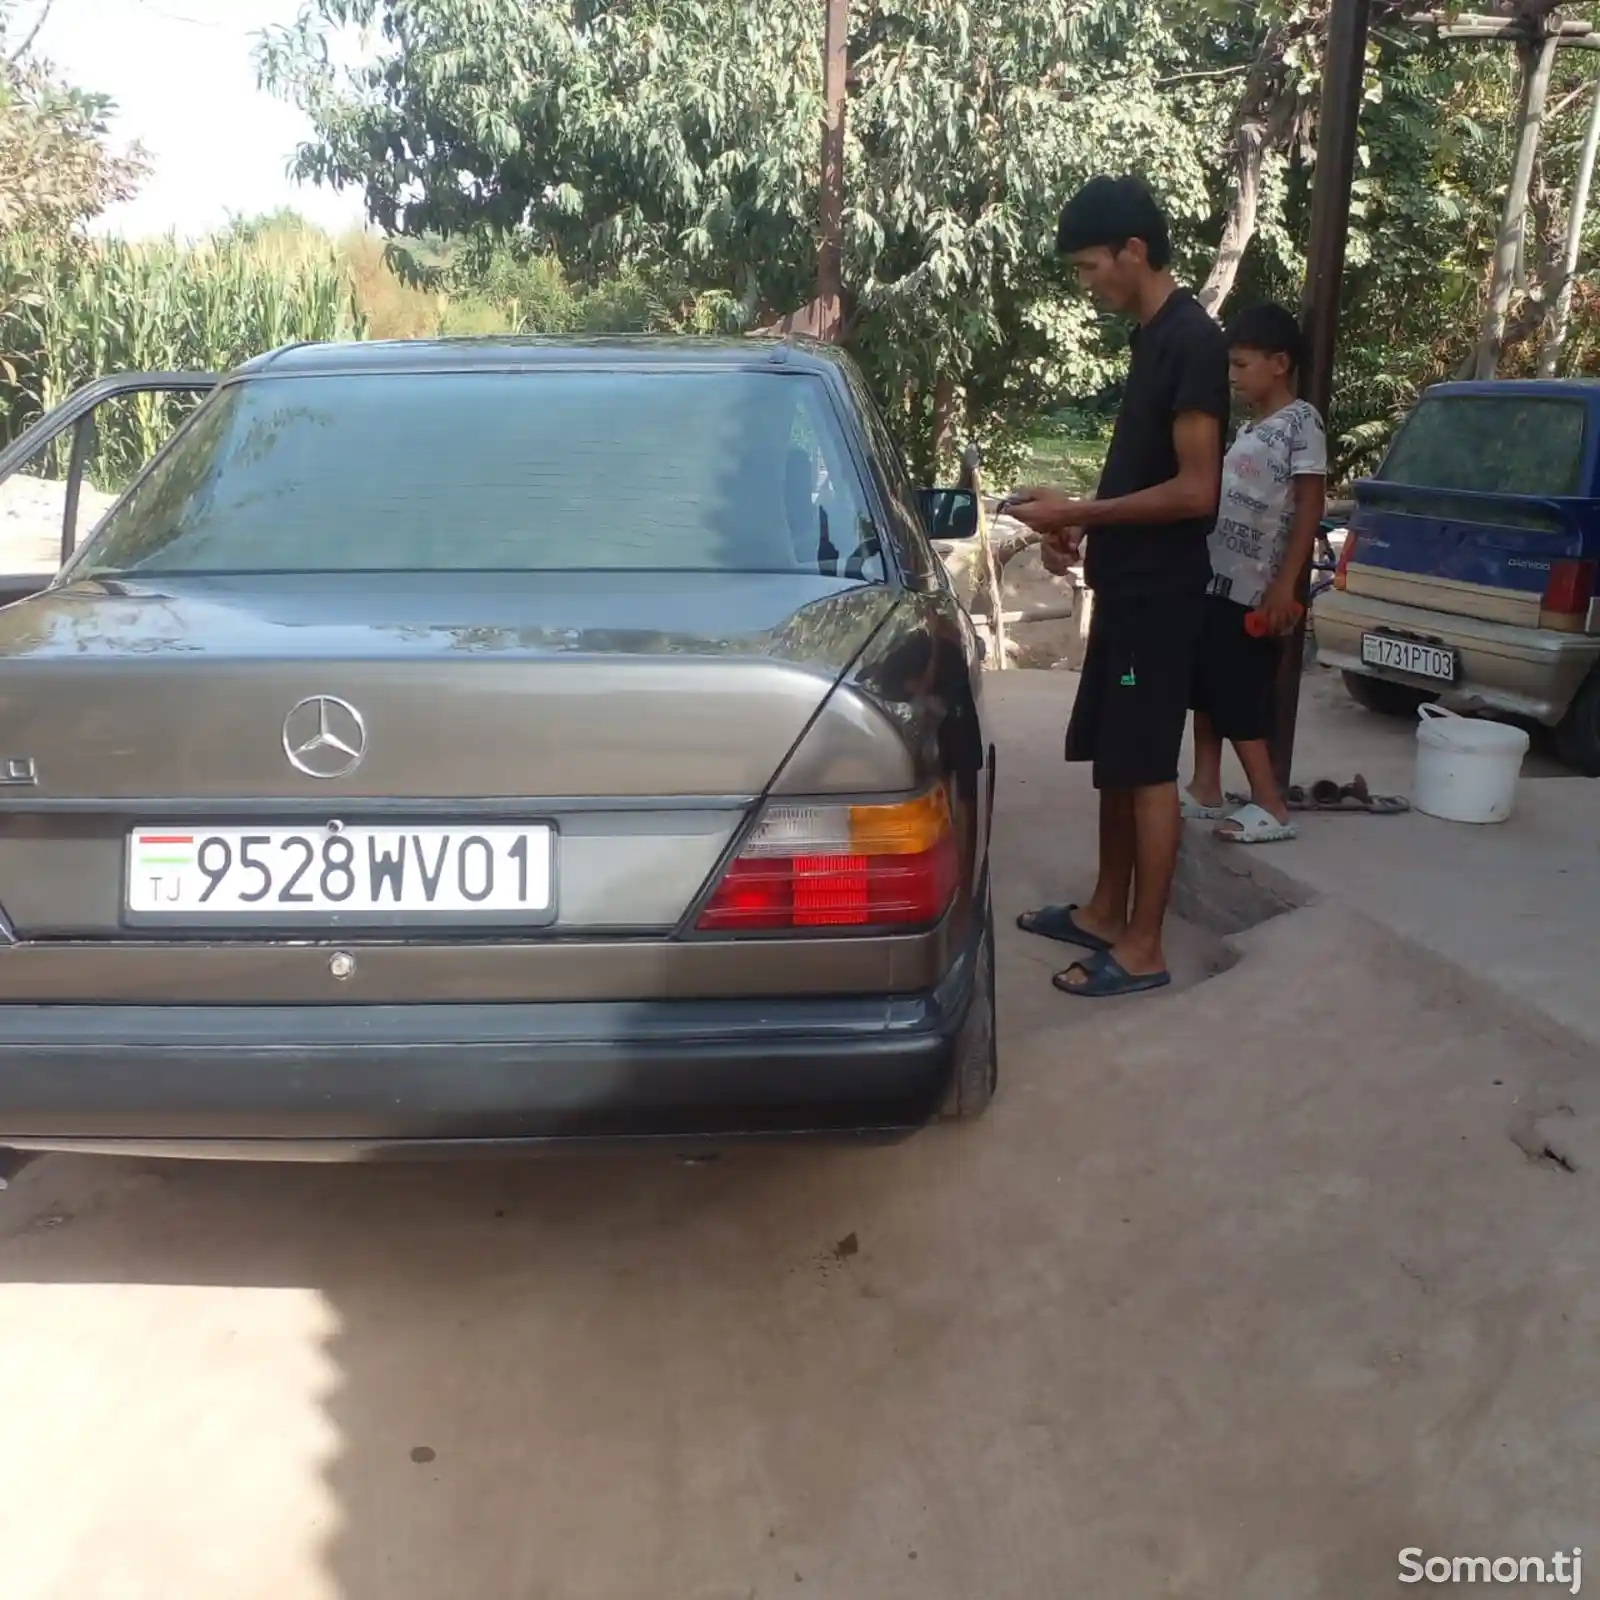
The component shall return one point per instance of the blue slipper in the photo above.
(1106, 977)
(1057, 922)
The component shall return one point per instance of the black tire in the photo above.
(978, 1063)
(1386, 698)
(1578, 733)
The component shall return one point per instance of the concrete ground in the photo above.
(1239, 1291)
(1517, 904)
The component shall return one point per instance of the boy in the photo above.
(1273, 487)
(1147, 565)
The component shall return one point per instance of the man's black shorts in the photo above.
(1235, 675)
(1138, 680)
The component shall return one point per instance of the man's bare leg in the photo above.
(1158, 828)
(1106, 914)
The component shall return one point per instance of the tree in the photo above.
(677, 143)
(683, 136)
(57, 166)
(1559, 316)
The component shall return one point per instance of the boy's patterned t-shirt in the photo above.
(1256, 509)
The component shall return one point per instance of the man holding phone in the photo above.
(1148, 566)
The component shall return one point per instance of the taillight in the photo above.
(821, 865)
(1567, 593)
(1346, 550)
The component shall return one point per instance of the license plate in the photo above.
(1409, 655)
(343, 873)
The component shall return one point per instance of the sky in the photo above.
(183, 79)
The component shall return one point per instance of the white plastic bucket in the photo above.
(1467, 768)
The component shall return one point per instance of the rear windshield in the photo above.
(518, 472)
(1491, 444)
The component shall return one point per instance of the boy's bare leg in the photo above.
(1106, 914)
(1256, 760)
(1158, 823)
(1207, 785)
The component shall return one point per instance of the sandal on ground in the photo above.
(1253, 824)
(1193, 811)
(1105, 977)
(1355, 796)
(1058, 922)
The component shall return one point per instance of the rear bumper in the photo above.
(1524, 672)
(345, 1082)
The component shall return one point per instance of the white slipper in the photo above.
(1254, 824)
(1193, 811)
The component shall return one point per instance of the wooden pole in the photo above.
(830, 256)
(1343, 79)
(972, 478)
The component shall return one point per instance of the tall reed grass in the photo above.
(73, 311)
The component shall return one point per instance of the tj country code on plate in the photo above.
(245, 873)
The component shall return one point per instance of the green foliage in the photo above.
(1438, 130)
(71, 311)
(1065, 450)
(57, 166)
(508, 284)
(677, 141)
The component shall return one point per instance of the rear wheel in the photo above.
(1578, 735)
(1386, 698)
(978, 1066)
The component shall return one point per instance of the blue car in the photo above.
(1468, 575)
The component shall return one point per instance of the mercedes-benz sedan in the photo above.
(496, 742)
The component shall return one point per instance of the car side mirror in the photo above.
(949, 513)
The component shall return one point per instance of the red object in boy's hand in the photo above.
(1257, 625)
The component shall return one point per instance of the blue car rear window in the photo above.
(1491, 444)
(708, 471)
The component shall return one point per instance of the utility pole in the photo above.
(830, 254)
(1531, 24)
(1343, 78)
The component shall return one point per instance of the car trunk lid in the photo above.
(1499, 558)
(549, 685)
(1480, 509)
(634, 719)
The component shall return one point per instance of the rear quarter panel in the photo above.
(923, 665)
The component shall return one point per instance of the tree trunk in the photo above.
(1262, 120)
(1491, 333)
(1560, 311)
(1239, 221)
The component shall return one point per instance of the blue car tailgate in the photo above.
(1478, 510)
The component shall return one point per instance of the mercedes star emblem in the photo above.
(324, 736)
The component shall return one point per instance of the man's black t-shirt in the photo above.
(1180, 363)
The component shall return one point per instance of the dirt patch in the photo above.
(31, 511)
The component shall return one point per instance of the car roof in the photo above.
(505, 353)
(1521, 388)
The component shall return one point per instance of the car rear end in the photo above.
(1469, 570)
(428, 757)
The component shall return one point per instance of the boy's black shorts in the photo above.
(1235, 675)
(1138, 678)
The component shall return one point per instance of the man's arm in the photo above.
(1190, 493)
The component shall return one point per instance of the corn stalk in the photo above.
(71, 312)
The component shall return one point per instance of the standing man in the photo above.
(1148, 566)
